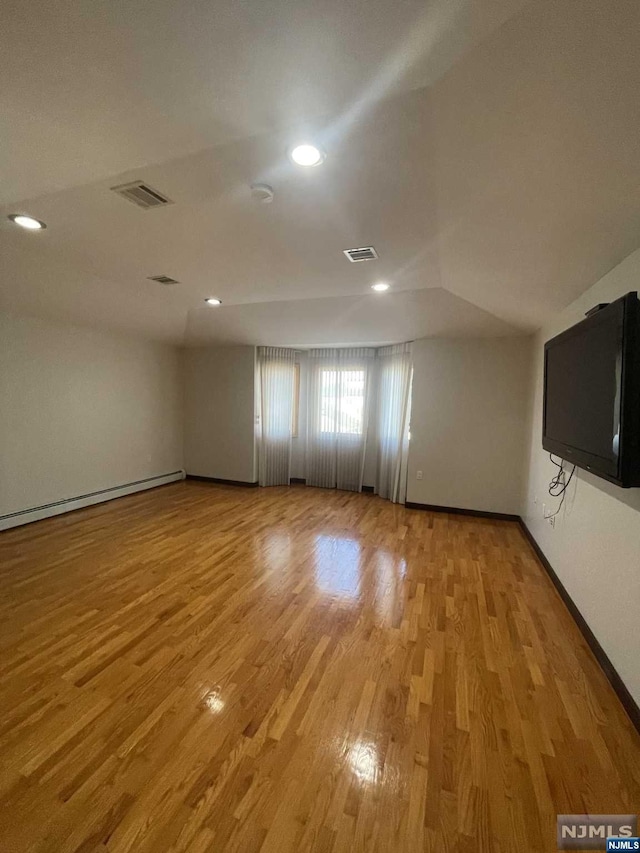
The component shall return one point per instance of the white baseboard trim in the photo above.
(25, 516)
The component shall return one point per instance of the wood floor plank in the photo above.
(211, 668)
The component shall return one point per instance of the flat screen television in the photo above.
(592, 393)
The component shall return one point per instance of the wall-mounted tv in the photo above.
(592, 393)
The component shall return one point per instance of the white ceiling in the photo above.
(489, 150)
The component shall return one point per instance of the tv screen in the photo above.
(592, 393)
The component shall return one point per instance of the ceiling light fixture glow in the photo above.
(27, 222)
(380, 287)
(211, 300)
(307, 154)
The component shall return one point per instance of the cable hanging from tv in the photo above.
(559, 484)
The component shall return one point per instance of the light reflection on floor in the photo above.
(275, 549)
(390, 571)
(364, 761)
(214, 701)
(337, 565)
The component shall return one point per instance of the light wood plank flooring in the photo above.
(208, 668)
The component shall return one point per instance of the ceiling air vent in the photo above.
(163, 279)
(142, 194)
(366, 253)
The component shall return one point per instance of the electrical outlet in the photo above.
(418, 475)
(552, 520)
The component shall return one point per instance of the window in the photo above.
(342, 401)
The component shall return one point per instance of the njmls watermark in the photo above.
(623, 844)
(591, 831)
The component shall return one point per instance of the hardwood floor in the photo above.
(208, 668)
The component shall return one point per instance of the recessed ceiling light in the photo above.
(213, 301)
(27, 222)
(380, 287)
(307, 155)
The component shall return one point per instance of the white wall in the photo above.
(595, 545)
(219, 412)
(468, 423)
(81, 411)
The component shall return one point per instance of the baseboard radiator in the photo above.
(25, 516)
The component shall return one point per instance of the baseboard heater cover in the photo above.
(26, 516)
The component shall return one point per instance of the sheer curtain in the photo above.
(276, 372)
(393, 408)
(339, 382)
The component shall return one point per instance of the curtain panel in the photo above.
(338, 400)
(274, 405)
(394, 371)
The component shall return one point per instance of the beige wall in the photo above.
(219, 412)
(82, 411)
(595, 545)
(468, 423)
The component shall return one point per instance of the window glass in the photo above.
(342, 401)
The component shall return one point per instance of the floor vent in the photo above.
(142, 194)
(163, 279)
(366, 253)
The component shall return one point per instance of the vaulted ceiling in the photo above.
(489, 150)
